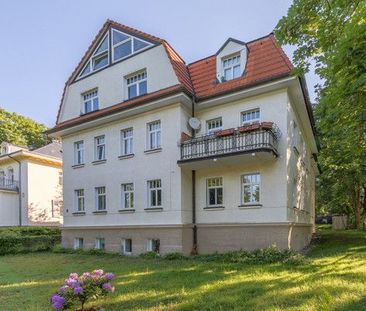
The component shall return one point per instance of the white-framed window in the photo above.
(2, 178)
(78, 243)
(251, 184)
(127, 141)
(126, 247)
(128, 197)
(154, 135)
(11, 174)
(153, 245)
(100, 199)
(79, 152)
(90, 101)
(215, 192)
(154, 193)
(79, 200)
(100, 243)
(250, 116)
(214, 125)
(125, 45)
(99, 143)
(3, 150)
(136, 84)
(231, 67)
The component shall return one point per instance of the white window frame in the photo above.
(99, 193)
(150, 243)
(79, 198)
(214, 125)
(135, 79)
(128, 195)
(251, 184)
(154, 185)
(11, 174)
(79, 152)
(249, 113)
(127, 141)
(78, 243)
(99, 242)
(153, 135)
(124, 245)
(98, 145)
(228, 64)
(91, 96)
(221, 185)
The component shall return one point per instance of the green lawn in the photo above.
(333, 279)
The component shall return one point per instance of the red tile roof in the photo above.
(266, 60)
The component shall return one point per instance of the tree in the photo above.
(20, 130)
(332, 33)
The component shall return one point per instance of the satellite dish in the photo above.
(194, 123)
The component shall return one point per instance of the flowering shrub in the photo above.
(77, 290)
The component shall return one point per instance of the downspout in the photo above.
(19, 189)
(195, 239)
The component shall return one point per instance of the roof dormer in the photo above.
(231, 60)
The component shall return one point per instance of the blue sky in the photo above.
(43, 41)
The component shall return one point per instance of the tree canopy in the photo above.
(20, 130)
(332, 33)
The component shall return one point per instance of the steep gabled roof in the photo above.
(266, 61)
(177, 62)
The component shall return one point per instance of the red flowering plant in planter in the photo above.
(77, 290)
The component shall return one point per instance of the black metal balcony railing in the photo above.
(9, 184)
(252, 138)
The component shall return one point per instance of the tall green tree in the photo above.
(332, 34)
(20, 130)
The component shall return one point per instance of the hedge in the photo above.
(28, 239)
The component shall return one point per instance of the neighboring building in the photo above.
(30, 185)
(135, 178)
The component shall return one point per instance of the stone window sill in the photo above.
(250, 206)
(78, 213)
(153, 209)
(126, 156)
(214, 208)
(126, 210)
(78, 165)
(100, 212)
(99, 162)
(153, 150)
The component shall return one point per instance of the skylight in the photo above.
(123, 45)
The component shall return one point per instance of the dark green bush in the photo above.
(174, 256)
(149, 255)
(28, 239)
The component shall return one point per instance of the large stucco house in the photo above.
(216, 155)
(30, 185)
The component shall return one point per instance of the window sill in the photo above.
(126, 156)
(100, 212)
(213, 208)
(153, 209)
(78, 165)
(250, 206)
(89, 112)
(126, 210)
(96, 162)
(78, 213)
(153, 150)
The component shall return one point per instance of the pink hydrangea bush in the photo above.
(78, 289)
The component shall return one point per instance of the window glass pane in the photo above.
(236, 72)
(153, 198)
(95, 103)
(103, 46)
(118, 37)
(219, 196)
(138, 44)
(159, 197)
(122, 50)
(87, 106)
(132, 91)
(228, 74)
(86, 70)
(211, 197)
(143, 87)
(100, 61)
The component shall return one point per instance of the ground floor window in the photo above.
(78, 243)
(153, 245)
(215, 196)
(126, 247)
(250, 188)
(100, 243)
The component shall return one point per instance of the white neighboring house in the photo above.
(139, 178)
(30, 185)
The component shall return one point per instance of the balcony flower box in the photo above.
(249, 127)
(267, 125)
(226, 132)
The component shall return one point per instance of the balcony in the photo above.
(260, 138)
(9, 184)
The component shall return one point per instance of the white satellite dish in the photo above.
(194, 123)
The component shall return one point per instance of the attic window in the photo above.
(231, 67)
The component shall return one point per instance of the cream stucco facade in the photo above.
(280, 149)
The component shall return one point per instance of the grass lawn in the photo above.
(333, 279)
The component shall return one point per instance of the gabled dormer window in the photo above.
(231, 66)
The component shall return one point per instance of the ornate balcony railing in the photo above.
(9, 184)
(251, 138)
